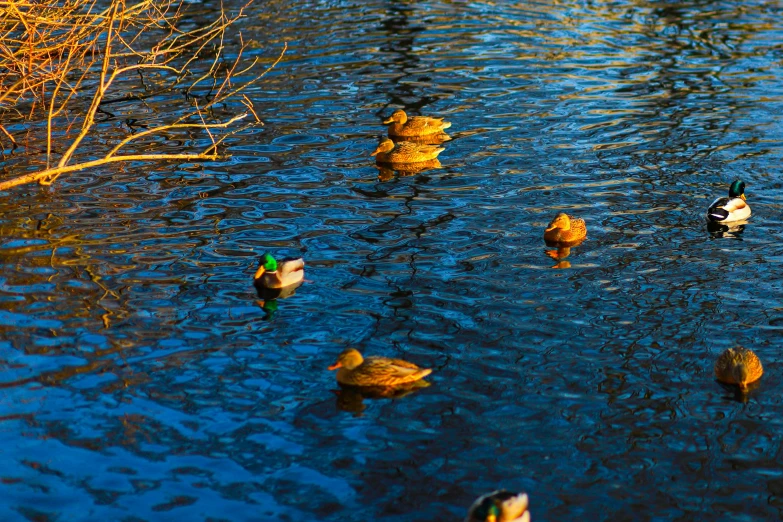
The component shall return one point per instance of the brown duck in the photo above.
(564, 229)
(404, 152)
(402, 126)
(355, 370)
(738, 366)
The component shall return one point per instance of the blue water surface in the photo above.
(143, 378)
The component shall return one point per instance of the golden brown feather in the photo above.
(404, 152)
(355, 370)
(738, 366)
(565, 229)
(402, 125)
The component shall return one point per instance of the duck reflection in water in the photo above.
(268, 297)
(737, 394)
(351, 398)
(386, 171)
(731, 230)
(560, 254)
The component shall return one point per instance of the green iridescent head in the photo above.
(268, 262)
(487, 510)
(737, 189)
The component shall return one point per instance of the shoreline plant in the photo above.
(61, 64)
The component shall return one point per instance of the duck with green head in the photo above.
(500, 506)
(278, 274)
(732, 208)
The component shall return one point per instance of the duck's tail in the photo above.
(717, 214)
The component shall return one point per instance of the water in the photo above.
(143, 379)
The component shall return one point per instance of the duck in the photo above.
(500, 506)
(565, 229)
(402, 126)
(404, 152)
(738, 366)
(732, 208)
(355, 370)
(278, 274)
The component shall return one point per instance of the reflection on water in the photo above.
(386, 171)
(351, 398)
(140, 378)
(560, 254)
(733, 230)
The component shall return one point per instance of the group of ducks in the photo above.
(737, 366)
(413, 142)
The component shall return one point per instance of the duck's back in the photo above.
(408, 152)
(728, 209)
(418, 126)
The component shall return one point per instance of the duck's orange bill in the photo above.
(335, 366)
(259, 272)
(743, 197)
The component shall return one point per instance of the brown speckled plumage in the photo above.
(402, 125)
(564, 229)
(738, 366)
(405, 152)
(355, 370)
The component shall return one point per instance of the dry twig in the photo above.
(53, 52)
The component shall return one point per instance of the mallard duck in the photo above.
(732, 208)
(355, 370)
(404, 152)
(278, 274)
(738, 366)
(564, 229)
(500, 506)
(401, 125)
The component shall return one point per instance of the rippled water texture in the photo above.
(143, 377)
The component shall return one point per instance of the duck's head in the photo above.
(740, 373)
(398, 116)
(737, 189)
(385, 145)
(266, 263)
(500, 506)
(349, 359)
(561, 221)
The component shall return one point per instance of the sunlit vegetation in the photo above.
(64, 64)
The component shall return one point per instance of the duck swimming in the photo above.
(355, 370)
(565, 229)
(278, 274)
(500, 506)
(403, 126)
(732, 208)
(404, 152)
(738, 366)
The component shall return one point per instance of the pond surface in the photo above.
(143, 378)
